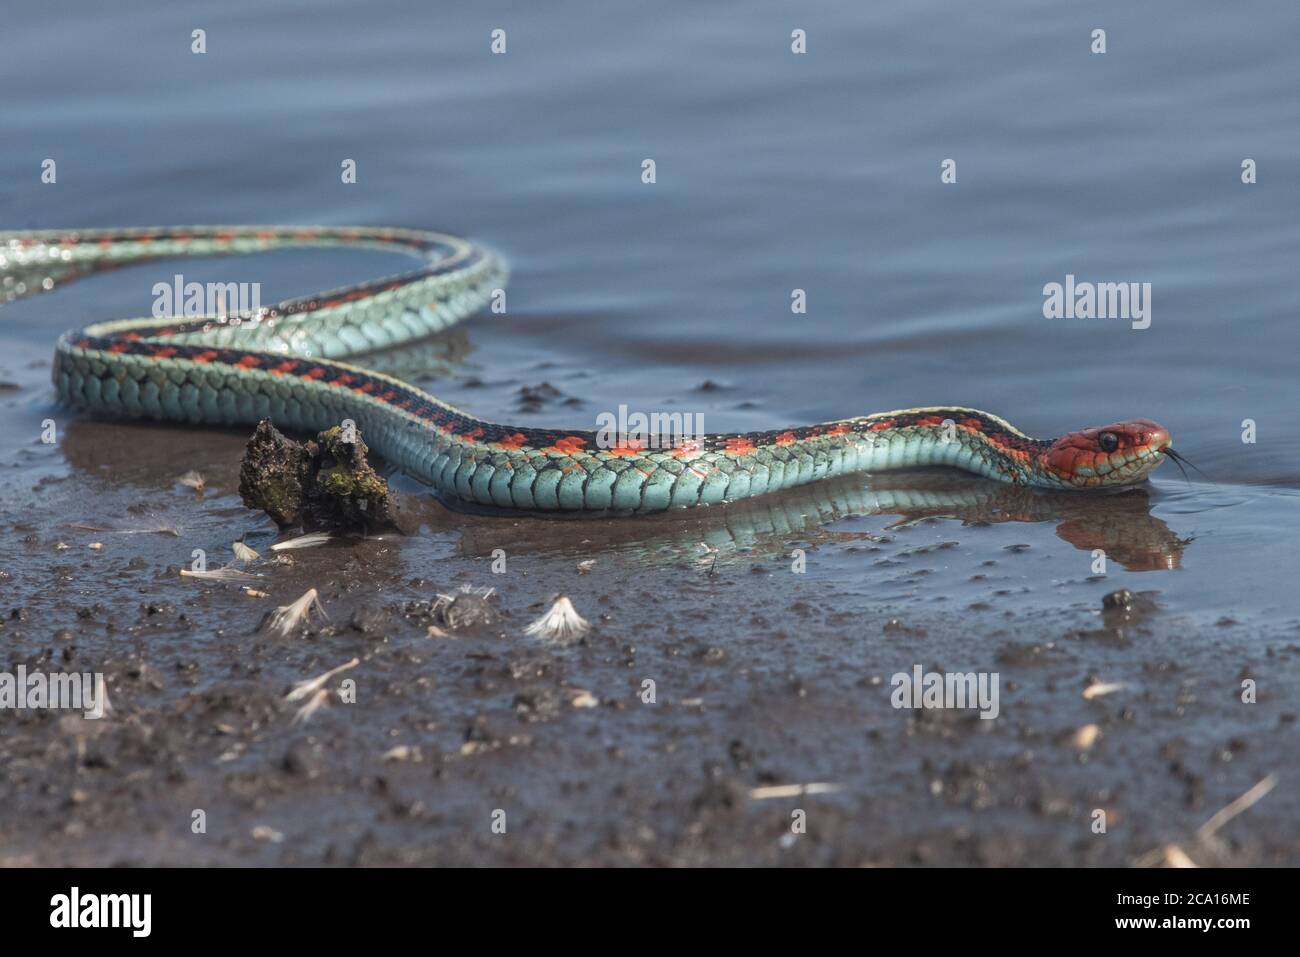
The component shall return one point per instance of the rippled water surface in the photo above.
(774, 172)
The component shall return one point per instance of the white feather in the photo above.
(561, 623)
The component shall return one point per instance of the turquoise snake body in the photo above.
(283, 364)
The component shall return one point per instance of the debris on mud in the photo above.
(325, 483)
(534, 398)
(561, 623)
(195, 481)
(1118, 599)
(286, 619)
(466, 609)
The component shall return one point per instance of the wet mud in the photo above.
(763, 678)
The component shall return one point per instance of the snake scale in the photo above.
(282, 363)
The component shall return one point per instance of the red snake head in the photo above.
(1119, 454)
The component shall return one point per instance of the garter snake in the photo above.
(282, 363)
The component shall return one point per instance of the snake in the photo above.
(284, 363)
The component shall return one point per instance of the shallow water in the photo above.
(774, 172)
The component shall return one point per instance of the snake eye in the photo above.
(1108, 441)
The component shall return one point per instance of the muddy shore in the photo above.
(762, 678)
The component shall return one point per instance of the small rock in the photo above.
(303, 759)
(369, 619)
(584, 699)
(1086, 737)
(1118, 599)
(466, 609)
(321, 485)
